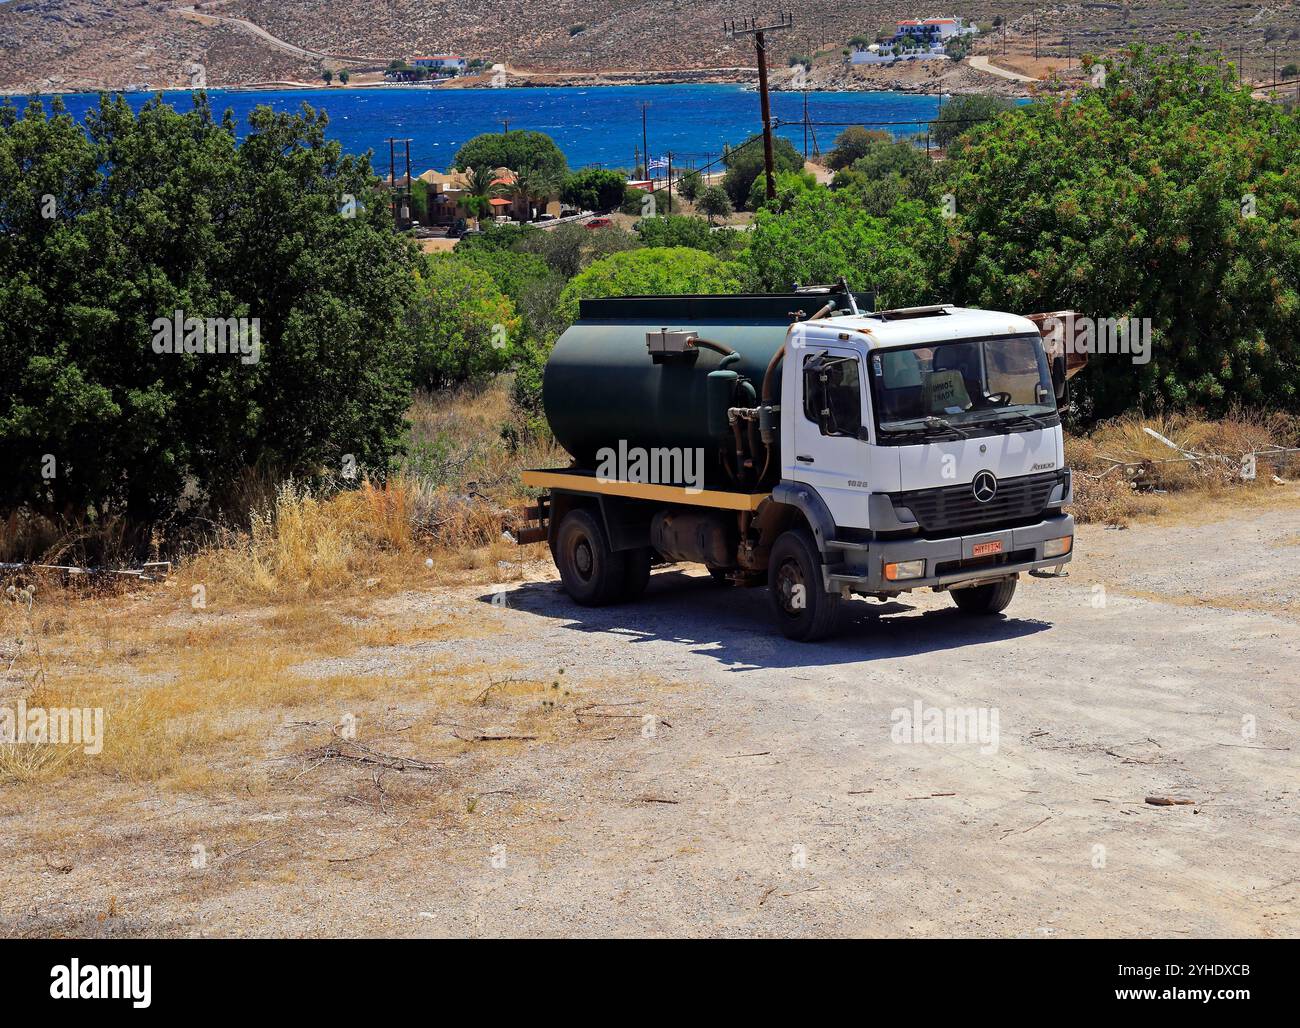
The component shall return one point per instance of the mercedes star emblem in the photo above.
(985, 486)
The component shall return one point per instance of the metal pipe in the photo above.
(729, 356)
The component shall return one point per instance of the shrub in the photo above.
(691, 184)
(853, 143)
(1169, 195)
(594, 189)
(157, 212)
(668, 270)
(466, 329)
(823, 235)
(963, 114)
(745, 164)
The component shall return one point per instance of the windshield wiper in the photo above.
(930, 423)
(1021, 416)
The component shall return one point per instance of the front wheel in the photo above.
(804, 609)
(985, 599)
(592, 573)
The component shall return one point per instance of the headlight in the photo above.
(905, 569)
(1058, 547)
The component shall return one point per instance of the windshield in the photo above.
(954, 387)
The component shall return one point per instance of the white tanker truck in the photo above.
(801, 442)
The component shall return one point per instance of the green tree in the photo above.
(481, 188)
(674, 230)
(327, 75)
(853, 143)
(1169, 195)
(345, 76)
(691, 184)
(788, 183)
(965, 114)
(466, 329)
(634, 201)
(111, 228)
(594, 189)
(516, 149)
(824, 234)
(715, 203)
(528, 184)
(889, 171)
(569, 248)
(745, 164)
(670, 270)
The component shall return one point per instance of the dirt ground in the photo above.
(675, 768)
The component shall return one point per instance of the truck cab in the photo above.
(928, 447)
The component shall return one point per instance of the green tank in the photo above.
(602, 387)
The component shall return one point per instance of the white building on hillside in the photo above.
(441, 63)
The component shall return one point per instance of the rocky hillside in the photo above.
(79, 44)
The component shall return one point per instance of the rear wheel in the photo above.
(593, 575)
(985, 599)
(636, 571)
(804, 609)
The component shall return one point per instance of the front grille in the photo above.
(954, 507)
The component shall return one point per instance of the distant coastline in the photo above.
(881, 81)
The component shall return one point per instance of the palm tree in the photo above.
(480, 187)
(528, 183)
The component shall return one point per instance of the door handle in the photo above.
(805, 460)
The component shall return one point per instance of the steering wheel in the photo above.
(998, 399)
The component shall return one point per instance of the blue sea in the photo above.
(593, 126)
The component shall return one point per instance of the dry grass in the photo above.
(1106, 492)
(194, 676)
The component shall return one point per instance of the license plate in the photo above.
(986, 549)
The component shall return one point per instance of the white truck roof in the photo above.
(939, 324)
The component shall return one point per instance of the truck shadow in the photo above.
(736, 627)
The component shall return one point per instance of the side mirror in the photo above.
(1060, 383)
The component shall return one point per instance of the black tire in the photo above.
(719, 576)
(810, 613)
(593, 575)
(985, 599)
(636, 572)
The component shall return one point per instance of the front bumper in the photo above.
(951, 562)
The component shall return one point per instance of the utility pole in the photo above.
(645, 145)
(401, 198)
(751, 27)
(1035, 37)
(670, 182)
(805, 123)
(505, 124)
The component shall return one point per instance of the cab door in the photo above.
(830, 453)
